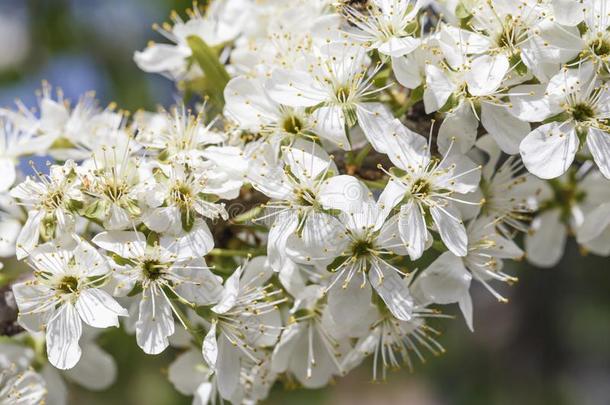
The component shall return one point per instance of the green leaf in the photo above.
(216, 75)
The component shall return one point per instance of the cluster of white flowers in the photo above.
(294, 223)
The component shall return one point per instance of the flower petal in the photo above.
(155, 321)
(98, 309)
(412, 229)
(548, 152)
(451, 228)
(598, 142)
(546, 240)
(392, 289)
(63, 334)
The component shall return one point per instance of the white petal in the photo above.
(330, 124)
(345, 193)
(438, 88)
(29, 235)
(347, 303)
(568, 12)
(95, 371)
(203, 394)
(412, 228)
(548, 152)
(486, 74)
(596, 221)
(160, 58)
(187, 372)
(228, 367)
(446, 280)
(202, 286)
(392, 195)
(162, 218)
(209, 349)
(126, 244)
(63, 334)
(53, 114)
(530, 103)
(98, 309)
(465, 304)
(229, 294)
(286, 346)
(311, 246)
(284, 226)
(451, 228)
(155, 321)
(407, 72)
(118, 218)
(459, 126)
(9, 229)
(193, 244)
(306, 159)
(505, 129)
(247, 103)
(399, 46)
(7, 168)
(295, 88)
(406, 149)
(392, 289)
(375, 121)
(546, 240)
(89, 260)
(57, 391)
(599, 145)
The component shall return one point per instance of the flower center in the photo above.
(361, 248)
(54, 200)
(305, 197)
(68, 285)
(421, 186)
(152, 269)
(181, 195)
(115, 190)
(292, 125)
(342, 93)
(600, 46)
(582, 112)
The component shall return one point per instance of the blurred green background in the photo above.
(549, 345)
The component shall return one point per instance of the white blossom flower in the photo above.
(389, 26)
(364, 245)
(308, 348)
(393, 342)
(21, 387)
(447, 279)
(50, 203)
(220, 24)
(582, 106)
(564, 204)
(177, 196)
(425, 185)
(338, 82)
(245, 318)
(170, 267)
(302, 194)
(64, 293)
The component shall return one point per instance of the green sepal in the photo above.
(187, 217)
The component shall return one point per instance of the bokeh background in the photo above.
(549, 345)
